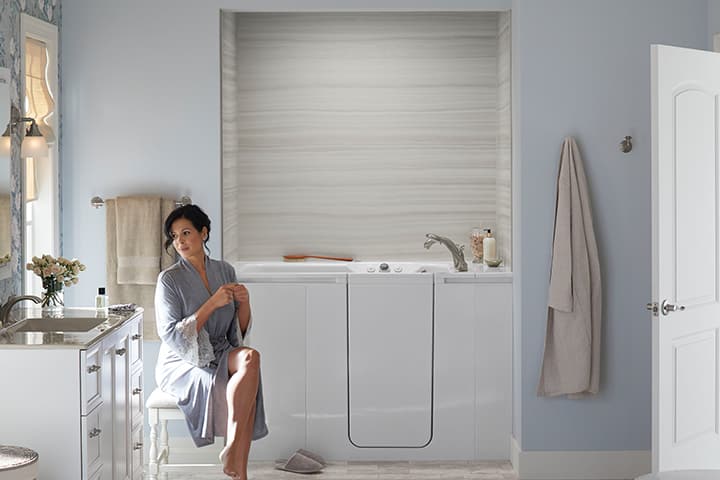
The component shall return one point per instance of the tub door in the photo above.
(390, 359)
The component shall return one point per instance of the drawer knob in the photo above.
(137, 391)
(121, 351)
(93, 368)
(137, 446)
(137, 336)
(94, 432)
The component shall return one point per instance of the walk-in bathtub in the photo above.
(381, 359)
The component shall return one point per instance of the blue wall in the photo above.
(586, 72)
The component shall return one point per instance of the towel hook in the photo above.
(626, 145)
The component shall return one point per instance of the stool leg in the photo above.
(164, 446)
(153, 463)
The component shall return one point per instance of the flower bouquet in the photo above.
(55, 273)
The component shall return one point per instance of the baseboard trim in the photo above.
(579, 465)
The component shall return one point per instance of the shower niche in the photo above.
(360, 132)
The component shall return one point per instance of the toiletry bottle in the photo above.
(101, 300)
(489, 247)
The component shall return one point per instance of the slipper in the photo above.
(299, 463)
(312, 455)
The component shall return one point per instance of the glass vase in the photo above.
(52, 296)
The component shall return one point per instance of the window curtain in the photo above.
(39, 104)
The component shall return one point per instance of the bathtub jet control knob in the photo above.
(384, 267)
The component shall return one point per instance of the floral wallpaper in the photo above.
(10, 10)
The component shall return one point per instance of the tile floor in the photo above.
(497, 470)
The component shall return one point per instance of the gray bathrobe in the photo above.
(571, 364)
(192, 365)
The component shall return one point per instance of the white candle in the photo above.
(489, 249)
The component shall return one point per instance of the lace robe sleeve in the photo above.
(177, 331)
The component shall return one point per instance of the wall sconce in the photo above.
(33, 144)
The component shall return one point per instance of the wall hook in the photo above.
(626, 145)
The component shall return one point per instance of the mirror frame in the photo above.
(47, 33)
(6, 269)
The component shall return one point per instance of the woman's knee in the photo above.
(247, 358)
(252, 358)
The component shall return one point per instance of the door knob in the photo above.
(669, 307)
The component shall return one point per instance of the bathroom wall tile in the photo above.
(357, 134)
(504, 142)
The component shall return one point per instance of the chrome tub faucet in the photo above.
(11, 301)
(455, 250)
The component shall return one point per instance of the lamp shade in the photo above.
(5, 143)
(34, 147)
(34, 144)
(5, 146)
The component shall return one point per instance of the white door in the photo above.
(686, 258)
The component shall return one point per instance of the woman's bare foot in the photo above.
(224, 460)
(230, 462)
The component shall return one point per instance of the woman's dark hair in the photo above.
(194, 214)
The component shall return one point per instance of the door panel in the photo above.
(696, 379)
(695, 185)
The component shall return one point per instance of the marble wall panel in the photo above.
(357, 133)
(503, 172)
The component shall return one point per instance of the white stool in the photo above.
(161, 407)
(683, 475)
(18, 463)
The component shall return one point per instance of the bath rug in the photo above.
(299, 463)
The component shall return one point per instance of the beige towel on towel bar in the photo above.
(142, 295)
(138, 228)
(571, 364)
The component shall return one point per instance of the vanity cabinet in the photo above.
(79, 407)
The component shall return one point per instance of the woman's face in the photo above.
(187, 241)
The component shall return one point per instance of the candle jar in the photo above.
(476, 244)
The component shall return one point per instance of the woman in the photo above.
(203, 316)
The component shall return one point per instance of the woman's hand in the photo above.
(228, 293)
(223, 295)
(240, 293)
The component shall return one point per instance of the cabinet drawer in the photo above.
(136, 398)
(91, 433)
(137, 452)
(136, 342)
(90, 379)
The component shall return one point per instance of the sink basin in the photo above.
(71, 324)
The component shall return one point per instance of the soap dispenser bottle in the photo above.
(489, 247)
(101, 300)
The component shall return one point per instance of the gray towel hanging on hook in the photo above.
(571, 363)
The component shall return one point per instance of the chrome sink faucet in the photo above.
(455, 250)
(11, 301)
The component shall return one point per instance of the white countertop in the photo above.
(10, 337)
